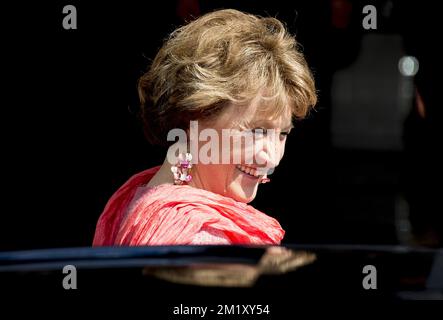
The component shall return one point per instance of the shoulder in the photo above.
(168, 196)
(165, 214)
(172, 215)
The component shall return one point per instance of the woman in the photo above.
(225, 72)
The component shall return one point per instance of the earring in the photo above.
(265, 180)
(182, 169)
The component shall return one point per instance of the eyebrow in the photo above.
(268, 123)
(287, 128)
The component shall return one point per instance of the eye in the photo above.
(284, 134)
(259, 131)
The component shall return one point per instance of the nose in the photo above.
(269, 153)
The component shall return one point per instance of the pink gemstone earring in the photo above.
(182, 169)
(265, 180)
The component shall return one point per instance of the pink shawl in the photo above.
(173, 215)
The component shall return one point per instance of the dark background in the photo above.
(71, 136)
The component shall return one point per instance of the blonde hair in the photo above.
(223, 57)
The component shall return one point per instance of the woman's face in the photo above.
(243, 164)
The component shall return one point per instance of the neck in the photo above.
(196, 182)
(163, 175)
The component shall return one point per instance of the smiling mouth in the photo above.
(249, 171)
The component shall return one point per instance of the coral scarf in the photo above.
(173, 215)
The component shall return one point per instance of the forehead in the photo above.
(278, 123)
(256, 113)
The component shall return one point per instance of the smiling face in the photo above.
(261, 147)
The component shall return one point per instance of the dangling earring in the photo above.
(182, 169)
(265, 180)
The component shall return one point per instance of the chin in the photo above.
(243, 195)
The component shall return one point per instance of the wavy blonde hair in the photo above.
(224, 57)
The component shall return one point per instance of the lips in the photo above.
(250, 171)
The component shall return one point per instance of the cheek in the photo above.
(221, 175)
